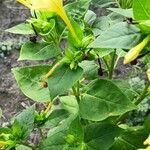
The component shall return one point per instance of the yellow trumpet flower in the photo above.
(148, 75)
(52, 6)
(134, 52)
(3, 143)
(147, 141)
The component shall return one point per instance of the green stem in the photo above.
(76, 93)
(78, 88)
(111, 69)
(118, 3)
(143, 95)
(45, 78)
(106, 63)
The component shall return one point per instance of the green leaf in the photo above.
(145, 26)
(55, 142)
(130, 139)
(124, 12)
(101, 136)
(56, 117)
(25, 122)
(70, 104)
(76, 129)
(120, 35)
(56, 136)
(102, 100)
(62, 79)
(28, 79)
(17, 131)
(22, 147)
(103, 51)
(125, 87)
(101, 24)
(78, 8)
(90, 69)
(38, 51)
(22, 28)
(141, 9)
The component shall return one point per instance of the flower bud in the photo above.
(55, 6)
(134, 52)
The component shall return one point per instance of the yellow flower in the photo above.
(147, 141)
(148, 74)
(134, 52)
(148, 148)
(52, 6)
(3, 143)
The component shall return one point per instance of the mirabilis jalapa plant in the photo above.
(86, 108)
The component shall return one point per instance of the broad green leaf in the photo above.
(141, 9)
(124, 12)
(103, 51)
(55, 142)
(76, 129)
(115, 18)
(56, 117)
(131, 139)
(26, 121)
(137, 84)
(120, 35)
(62, 127)
(22, 147)
(22, 28)
(28, 79)
(56, 136)
(38, 51)
(101, 24)
(126, 88)
(101, 136)
(62, 79)
(90, 69)
(77, 9)
(145, 26)
(70, 104)
(102, 100)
